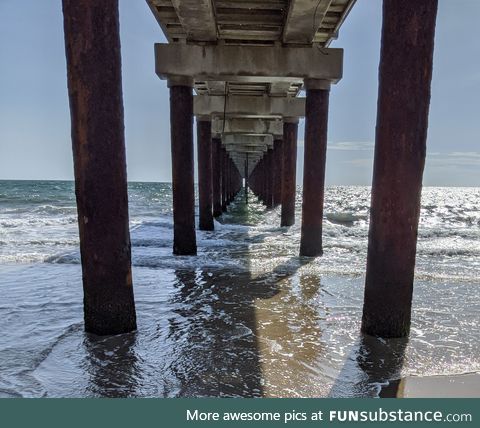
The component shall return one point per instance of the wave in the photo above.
(449, 252)
(69, 258)
(151, 242)
(187, 262)
(28, 222)
(345, 217)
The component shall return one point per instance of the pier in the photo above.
(237, 70)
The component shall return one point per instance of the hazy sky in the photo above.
(35, 122)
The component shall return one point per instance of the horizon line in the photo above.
(196, 183)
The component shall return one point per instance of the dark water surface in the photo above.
(246, 317)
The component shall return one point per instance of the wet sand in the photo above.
(456, 386)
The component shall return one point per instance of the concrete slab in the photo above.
(303, 20)
(197, 19)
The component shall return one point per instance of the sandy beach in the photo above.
(459, 386)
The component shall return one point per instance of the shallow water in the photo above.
(246, 317)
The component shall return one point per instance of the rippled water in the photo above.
(246, 317)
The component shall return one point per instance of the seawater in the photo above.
(246, 317)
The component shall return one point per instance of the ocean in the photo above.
(246, 317)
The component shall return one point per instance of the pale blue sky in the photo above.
(35, 123)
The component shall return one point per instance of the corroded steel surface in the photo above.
(205, 193)
(402, 119)
(92, 43)
(181, 128)
(216, 176)
(289, 185)
(316, 123)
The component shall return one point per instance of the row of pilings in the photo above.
(95, 93)
(218, 177)
(273, 180)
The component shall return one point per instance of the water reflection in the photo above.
(246, 317)
(227, 321)
(214, 332)
(291, 338)
(266, 330)
(111, 365)
(370, 367)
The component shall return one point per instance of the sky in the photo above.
(35, 120)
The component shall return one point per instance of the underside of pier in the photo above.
(247, 62)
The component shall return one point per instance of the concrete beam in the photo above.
(303, 20)
(243, 155)
(248, 63)
(246, 149)
(249, 107)
(197, 19)
(247, 140)
(247, 126)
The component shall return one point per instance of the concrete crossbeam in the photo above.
(247, 126)
(248, 63)
(249, 107)
(242, 156)
(248, 140)
(245, 148)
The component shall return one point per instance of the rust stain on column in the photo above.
(95, 91)
(402, 119)
(316, 123)
(181, 127)
(289, 185)
(217, 176)
(204, 152)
